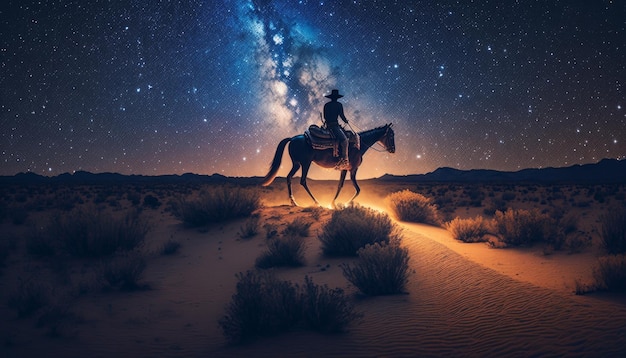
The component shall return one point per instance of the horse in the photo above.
(302, 155)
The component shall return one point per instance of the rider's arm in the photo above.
(343, 116)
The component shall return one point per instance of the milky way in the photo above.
(167, 87)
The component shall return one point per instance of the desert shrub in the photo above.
(381, 269)
(261, 306)
(58, 320)
(151, 201)
(409, 206)
(614, 231)
(29, 298)
(218, 204)
(298, 227)
(315, 211)
(523, 227)
(610, 273)
(271, 230)
(40, 244)
(285, 251)
(250, 227)
(326, 310)
(124, 271)
(89, 233)
(353, 227)
(170, 247)
(469, 230)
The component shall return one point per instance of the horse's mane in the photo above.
(368, 131)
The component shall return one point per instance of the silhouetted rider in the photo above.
(332, 111)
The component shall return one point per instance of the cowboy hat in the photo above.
(334, 94)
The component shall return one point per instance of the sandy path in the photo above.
(456, 307)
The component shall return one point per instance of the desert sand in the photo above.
(462, 299)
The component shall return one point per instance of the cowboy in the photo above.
(332, 111)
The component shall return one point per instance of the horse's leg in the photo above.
(305, 171)
(293, 171)
(342, 178)
(356, 186)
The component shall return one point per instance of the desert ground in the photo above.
(461, 299)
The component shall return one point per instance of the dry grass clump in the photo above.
(263, 306)
(614, 231)
(91, 233)
(250, 227)
(218, 204)
(406, 205)
(353, 227)
(29, 298)
(298, 227)
(170, 247)
(283, 251)
(469, 230)
(326, 310)
(381, 269)
(524, 227)
(610, 274)
(124, 272)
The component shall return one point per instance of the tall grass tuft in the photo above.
(381, 269)
(124, 272)
(326, 310)
(264, 306)
(298, 227)
(29, 298)
(90, 233)
(353, 227)
(261, 306)
(406, 205)
(469, 230)
(217, 204)
(611, 273)
(524, 227)
(282, 251)
(614, 231)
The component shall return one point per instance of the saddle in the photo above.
(321, 139)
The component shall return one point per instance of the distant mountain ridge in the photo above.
(606, 171)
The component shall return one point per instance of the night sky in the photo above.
(169, 87)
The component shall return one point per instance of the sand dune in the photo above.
(462, 300)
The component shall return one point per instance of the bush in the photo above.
(170, 247)
(263, 306)
(29, 298)
(469, 230)
(217, 205)
(614, 231)
(326, 310)
(151, 201)
(89, 233)
(124, 272)
(298, 227)
(524, 227)
(250, 228)
(353, 227)
(611, 273)
(286, 251)
(409, 206)
(381, 269)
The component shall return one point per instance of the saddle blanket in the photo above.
(322, 139)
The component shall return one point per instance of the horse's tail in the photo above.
(278, 157)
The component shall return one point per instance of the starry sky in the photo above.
(170, 87)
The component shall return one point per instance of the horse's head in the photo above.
(388, 139)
